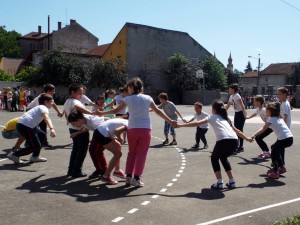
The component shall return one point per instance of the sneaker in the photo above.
(231, 185)
(206, 146)
(240, 149)
(273, 175)
(14, 149)
(266, 155)
(37, 159)
(195, 146)
(14, 158)
(128, 181)
(124, 143)
(119, 174)
(217, 186)
(78, 175)
(96, 174)
(108, 180)
(166, 142)
(281, 170)
(173, 143)
(137, 183)
(47, 145)
(260, 156)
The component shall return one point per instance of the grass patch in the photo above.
(294, 221)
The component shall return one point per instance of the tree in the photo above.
(9, 44)
(214, 74)
(109, 73)
(29, 75)
(233, 76)
(5, 76)
(294, 78)
(248, 67)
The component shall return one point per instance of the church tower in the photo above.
(230, 65)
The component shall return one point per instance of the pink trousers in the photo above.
(138, 143)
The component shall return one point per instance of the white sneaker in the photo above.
(128, 181)
(137, 183)
(14, 158)
(37, 159)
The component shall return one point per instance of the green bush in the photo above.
(294, 221)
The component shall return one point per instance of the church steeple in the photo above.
(230, 65)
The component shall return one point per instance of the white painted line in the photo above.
(163, 190)
(117, 219)
(155, 196)
(182, 168)
(133, 210)
(145, 202)
(3, 159)
(183, 164)
(180, 171)
(182, 157)
(178, 175)
(249, 211)
(183, 161)
(175, 179)
(169, 184)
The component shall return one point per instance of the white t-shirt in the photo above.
(221, 127)
(280, 128)
(33, 117)
(234, 101)
(262, 113)
(201, 116)
(92, 122)
(285, 109)
(138, 108)
(69, 106)
(85, 100)
(120, 99)
(34, 102)
(107, 128)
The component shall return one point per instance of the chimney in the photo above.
(72, 22)
(39, 30)
(59, 25)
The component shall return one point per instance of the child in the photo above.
(109, 97)
(48, 89)
(81, 141)
(172, 112)
(10, 132)
(284, 138)
(27, 127)
(200, 130)
(226, 136)
(240, 112)
(261, 111)
(100, 103)
(22, 99)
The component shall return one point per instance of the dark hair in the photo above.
(136, 84)
(218, 106)
(75, 87)
(199, 104)
(48, 87)
(259, 98)
(44, 97)
(101, 97)
(163, 95)
(274, 108)
(235, 87)
(123, 89)
(283, 90)
(108, 92)
(74, 116)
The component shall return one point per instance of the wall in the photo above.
(205, 97)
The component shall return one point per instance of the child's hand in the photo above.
(52, 133)
(73, 135)
(184, 120)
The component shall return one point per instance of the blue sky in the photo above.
(265, 27)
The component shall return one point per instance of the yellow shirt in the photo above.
(11, 125)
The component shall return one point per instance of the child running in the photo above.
(27, 127)
(226, 136)
(261, 111)
(139, 129)
(284, 138)
(200, 130)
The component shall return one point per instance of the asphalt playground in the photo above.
(177, 183)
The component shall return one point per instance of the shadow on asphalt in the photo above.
(81, 189)
(205, 194)
(56, 147)
(253, 161)
(268, 183)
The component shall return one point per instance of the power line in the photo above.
(290, 5)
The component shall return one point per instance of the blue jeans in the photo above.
(168, 127)
(12, 134)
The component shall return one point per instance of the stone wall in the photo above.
(205, 97)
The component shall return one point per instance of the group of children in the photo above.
(107, 130)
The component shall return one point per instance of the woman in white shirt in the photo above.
(284, 138)
(226, 135)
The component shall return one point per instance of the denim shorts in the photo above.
(12, 134)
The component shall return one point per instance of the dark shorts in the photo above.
(101, 139)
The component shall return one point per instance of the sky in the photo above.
(265, 29)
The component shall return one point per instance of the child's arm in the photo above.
(59, 114)
(241, 134)
(261, 130)
(85, 111)
(50, 125)
(162, 114)
(113, 111)
(253, 115)
(193, 124)
(285, 116)
(191, 120)
(82, 130)
(119, 131)
(111, 104)
(179, 114)
(241, 103)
